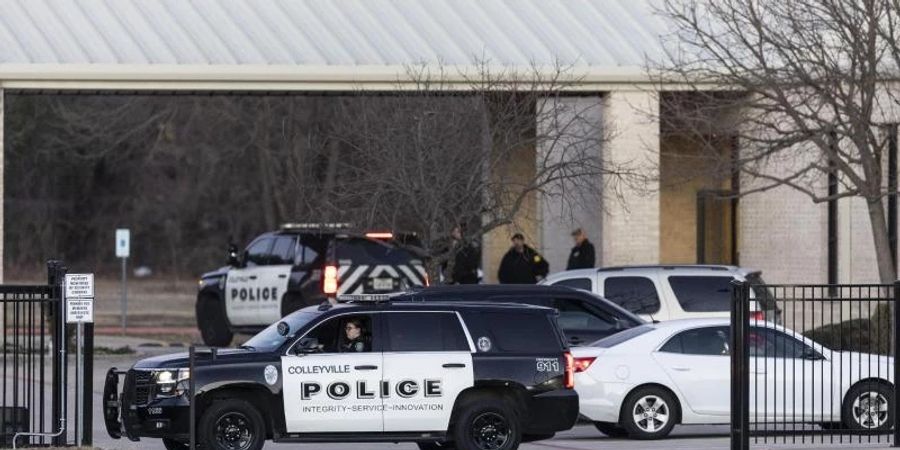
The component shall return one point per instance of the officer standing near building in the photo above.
(582, 255)
(522, 264)
(466, 258)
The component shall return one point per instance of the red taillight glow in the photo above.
(330, 283)
(758, 315)
(380, 235)
(582, 364)
(427, 280)
(570, 371)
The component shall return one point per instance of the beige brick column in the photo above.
(631, 226)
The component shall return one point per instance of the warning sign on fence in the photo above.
(80, 285)
(79, 297)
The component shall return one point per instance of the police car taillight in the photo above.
(330, 282)
(570, 371)
(582, 364)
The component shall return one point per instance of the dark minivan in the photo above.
(583, 316)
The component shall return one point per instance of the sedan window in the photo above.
(710, 341)
(770, 343)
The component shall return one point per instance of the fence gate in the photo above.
(35, 401)
(813, 364)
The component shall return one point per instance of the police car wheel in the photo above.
(232, 424)
(172, 444)
(487, 423)
(212, 322)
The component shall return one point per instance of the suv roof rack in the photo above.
(293, 226)
(368, 298)
(719, 267)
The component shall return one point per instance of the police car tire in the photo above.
(172, 444)
(475, 412)
(233, 408)
(213, 323)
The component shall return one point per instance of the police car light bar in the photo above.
(317, 226)
(380, 235)
(367, 298)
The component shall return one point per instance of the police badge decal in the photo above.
(484, 344)
(271, 374)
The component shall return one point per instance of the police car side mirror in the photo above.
(233, 259)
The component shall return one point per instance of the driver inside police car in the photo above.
(355, 337)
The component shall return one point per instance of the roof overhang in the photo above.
(159, 77)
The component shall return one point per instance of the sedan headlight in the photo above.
(171, 382)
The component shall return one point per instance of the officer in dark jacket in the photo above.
(465, 261)
(582, 255)
(522, 264)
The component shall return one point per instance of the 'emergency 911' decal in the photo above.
(356, 392)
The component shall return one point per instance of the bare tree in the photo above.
(473, 154)
(805, 86)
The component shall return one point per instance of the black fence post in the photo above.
(896, 348)
(191, 386)
(740, 389)
(56, 271)
(87, 392)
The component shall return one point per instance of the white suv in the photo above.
(668, 292)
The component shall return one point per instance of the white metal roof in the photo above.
(154, 40)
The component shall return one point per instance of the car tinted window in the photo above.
(366, 251)
(576, 315)
(636, 294)
(576, 283)
(769, 343)
(623, 336)
(702, 294)
(515, 331)
(258, 252)
(306, 255)
(283, 250)
(425, 332)
(710, 341)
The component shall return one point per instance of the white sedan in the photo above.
(644, 380)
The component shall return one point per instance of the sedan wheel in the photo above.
(649, 413)
(867, 406)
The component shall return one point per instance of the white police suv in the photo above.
(301, 265)
(470, 376)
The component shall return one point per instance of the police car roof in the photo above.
(407, 304)
(493, 289)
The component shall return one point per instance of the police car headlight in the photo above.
(171, 382)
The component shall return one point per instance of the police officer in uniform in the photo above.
(354, 337)
(466, 259)
(582, 255)
(522, 264)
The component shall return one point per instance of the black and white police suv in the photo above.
(301, 265)
(470, 376)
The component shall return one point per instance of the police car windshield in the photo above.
(269, 340)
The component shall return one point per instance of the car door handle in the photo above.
(282, 276)
(454, 366)
(252, 277)
(365, 367)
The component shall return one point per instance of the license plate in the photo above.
(382, 284)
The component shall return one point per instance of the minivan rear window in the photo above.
(702, 294)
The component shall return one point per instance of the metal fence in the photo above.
(813, 364)
(34, 399)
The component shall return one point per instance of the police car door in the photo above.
(243, 284)
(427, 363)
(330, 389)
(274, 277)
